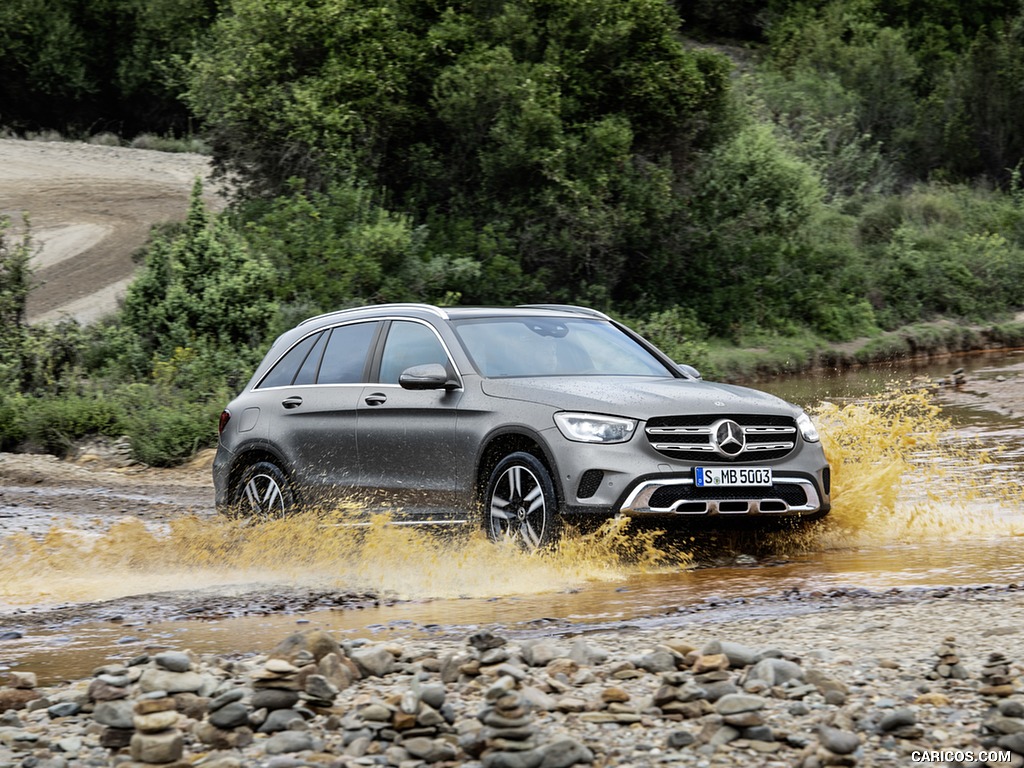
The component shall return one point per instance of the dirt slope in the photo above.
(90, 208)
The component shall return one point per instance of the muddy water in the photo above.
(927, 492)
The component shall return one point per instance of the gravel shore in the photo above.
(930, 679)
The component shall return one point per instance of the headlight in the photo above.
(807, 428)
(592, 428)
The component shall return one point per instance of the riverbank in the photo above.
(910, 678)
(789, 355)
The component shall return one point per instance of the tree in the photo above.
(201, 285)
(15, 284)
(555, 130)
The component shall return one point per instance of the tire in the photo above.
(263, 492)
(520, 502)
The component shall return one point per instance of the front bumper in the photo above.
(632, 479)
(788, 495)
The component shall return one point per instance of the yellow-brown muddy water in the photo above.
(915, 502)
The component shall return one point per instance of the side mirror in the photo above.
(429, 376)
(689, 371)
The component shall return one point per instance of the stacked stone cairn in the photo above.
(301, 678)
(997, 677)
(538, 703)
(948, 666)
(414, 725)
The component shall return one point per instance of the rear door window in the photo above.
(344, 360)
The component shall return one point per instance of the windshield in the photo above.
(528, 346)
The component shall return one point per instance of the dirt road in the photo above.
(90, 209)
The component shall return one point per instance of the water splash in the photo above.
(901, 474)
(340, 549)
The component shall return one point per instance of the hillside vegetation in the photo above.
(789, 175)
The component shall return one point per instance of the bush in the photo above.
(679, 334)
(201, 283)
(166, 434)
(53, 423)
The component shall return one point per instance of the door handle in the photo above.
(292, 402)
(377, 398)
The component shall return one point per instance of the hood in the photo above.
(637, 397)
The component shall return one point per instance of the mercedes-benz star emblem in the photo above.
(729, 438)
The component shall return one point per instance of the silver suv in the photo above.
(519, 416)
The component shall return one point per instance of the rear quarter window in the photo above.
(283, 373)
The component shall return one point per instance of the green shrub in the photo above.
(884, 349)
(163, 435)
(53, 423)
(1009, 334)
(12, 421)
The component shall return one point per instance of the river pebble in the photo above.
(764, 692)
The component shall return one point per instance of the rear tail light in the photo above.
(225, 417)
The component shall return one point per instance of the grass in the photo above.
(108, 139)
(774, 356)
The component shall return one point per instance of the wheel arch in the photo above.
(500, 445)
(254, 454)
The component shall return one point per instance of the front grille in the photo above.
(708, 437)
(663, 498)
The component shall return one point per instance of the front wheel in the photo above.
(520, 502)
(263, 492)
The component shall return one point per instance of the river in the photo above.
(927, 494)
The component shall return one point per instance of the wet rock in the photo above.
(286, 742)
(16, 698)
(485, 640)
(316, 643)
(164, 747)
(154, 679)
(898, 718)
(234, 714)
(739, 656)
(776, 671)
(837, 741)
(64, 709)
(540, 653)
(735, 703)
(563, 753)
(374, 661)
(116, 714)
(274, 698)
(173, 661)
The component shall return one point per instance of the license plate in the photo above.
(734, 476)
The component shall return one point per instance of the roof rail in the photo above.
(399, 305)
(566, 308)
